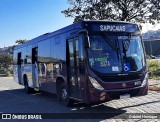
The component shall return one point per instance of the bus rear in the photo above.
(115, 61)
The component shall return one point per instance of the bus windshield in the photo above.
(110, 55)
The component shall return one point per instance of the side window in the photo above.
(81, 49)
(81, 56)
(15, 56)
(76, 54)
(27, 59)
(77, 51)
(44, 52)
(71, 50)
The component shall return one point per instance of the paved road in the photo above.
(13, 99)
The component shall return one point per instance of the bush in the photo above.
(6, 72)
(154, 69)
(2, 71)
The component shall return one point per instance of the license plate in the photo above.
(124, 96)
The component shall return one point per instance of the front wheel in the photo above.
(62, 95)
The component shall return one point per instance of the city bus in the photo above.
(89, 61)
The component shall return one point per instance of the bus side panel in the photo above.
(18, 66)
(15, 73)
(15, 68)
(58, 57)
(27, 70)
(27, 65)
(45, 66)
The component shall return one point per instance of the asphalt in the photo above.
(13, 99)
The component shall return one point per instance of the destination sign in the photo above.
(114, 27)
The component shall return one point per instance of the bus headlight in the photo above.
(95, 84)
(145, 80)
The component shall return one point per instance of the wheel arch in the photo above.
(60, 79)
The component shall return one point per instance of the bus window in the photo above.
(71, 53)
(81, 56)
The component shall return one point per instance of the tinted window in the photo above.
(102, 57)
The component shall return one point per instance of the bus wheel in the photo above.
(26, 87)
(62, 95)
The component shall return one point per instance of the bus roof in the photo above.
(78, 25)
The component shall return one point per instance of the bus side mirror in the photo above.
(85, 36)
(86, 42)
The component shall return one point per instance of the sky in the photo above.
(27, 19)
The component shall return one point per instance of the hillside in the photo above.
(6, 50)
(151, 34)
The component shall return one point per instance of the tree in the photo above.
(6, 60)
(20, 41)
(124, 10)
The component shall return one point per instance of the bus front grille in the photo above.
(120, 78)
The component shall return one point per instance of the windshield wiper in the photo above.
(109, 41)
(113, 46)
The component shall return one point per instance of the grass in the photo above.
(154, 69)
(6, 75)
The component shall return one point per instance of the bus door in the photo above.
(73, 68)
(19, 62)
(35, 67)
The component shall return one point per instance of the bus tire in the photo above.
(62, 95)
(26, 87)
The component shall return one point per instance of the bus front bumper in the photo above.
(100, 96)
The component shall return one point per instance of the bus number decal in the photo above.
(104, 63)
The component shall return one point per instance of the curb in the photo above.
(154, 88)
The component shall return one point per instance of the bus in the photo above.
(89, 61)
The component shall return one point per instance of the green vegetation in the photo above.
(6, 61)
(21, 41)
(154, 69)
(140, 11)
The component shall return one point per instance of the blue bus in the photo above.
(88, 61)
